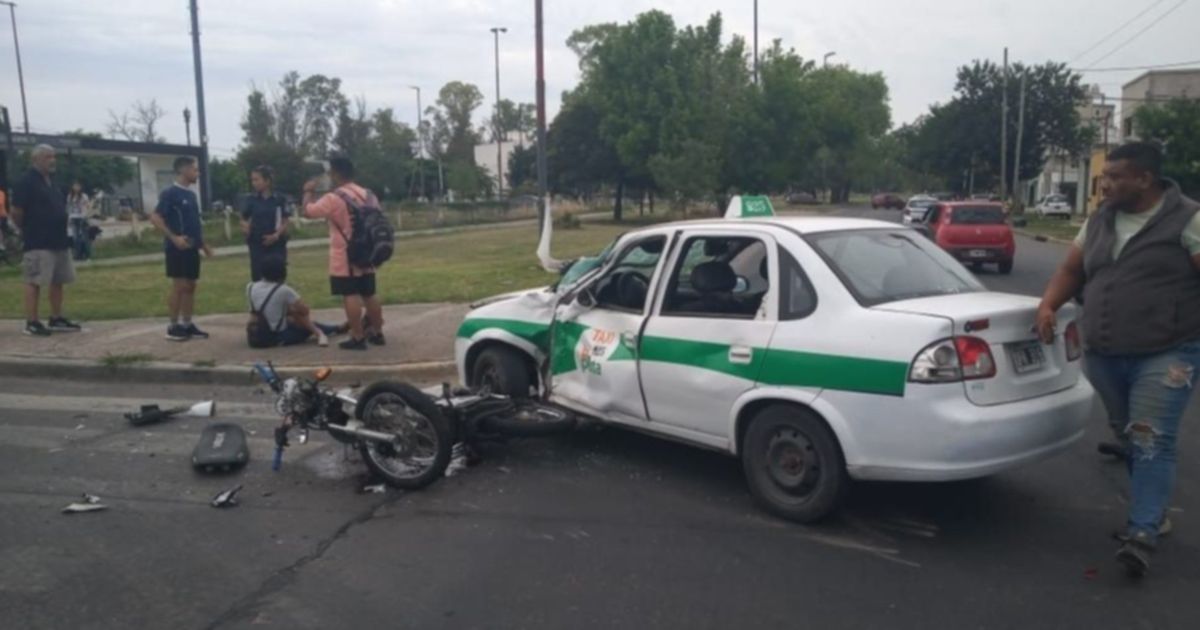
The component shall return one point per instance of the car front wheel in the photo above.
(503, 371)
(793, 464)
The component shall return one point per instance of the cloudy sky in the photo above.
(83, 58)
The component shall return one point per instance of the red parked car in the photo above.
(974, 233)
(887, 200)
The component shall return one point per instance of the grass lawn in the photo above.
(450, 268)
(1051, 226)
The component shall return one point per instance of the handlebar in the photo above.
(268, 375)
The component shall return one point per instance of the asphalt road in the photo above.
(599, 529)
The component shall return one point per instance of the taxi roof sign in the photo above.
(749, 207)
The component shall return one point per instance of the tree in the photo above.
(578, 159)
(139, 123)
(959, 138)
(1176, 125)
(456, 104)
(258, 123)
(229, 181)
(468, 181)
(522, 167)
(304, 112)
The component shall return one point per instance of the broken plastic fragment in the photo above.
(89, 503)
(374, 489)
(228, 498)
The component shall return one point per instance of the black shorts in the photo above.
(183, 264)
(363, 285)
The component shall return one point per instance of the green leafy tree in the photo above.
(229, 181)
(522, 168)
(258, 123)
(288, 164)
(1176, 125)
(94, 172)
(454, 132)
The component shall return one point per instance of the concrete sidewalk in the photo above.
(420, 344)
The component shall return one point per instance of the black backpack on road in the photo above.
(372, 239)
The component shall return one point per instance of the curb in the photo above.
(1042, 238)
(236, 375)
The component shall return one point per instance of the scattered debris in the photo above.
(88, 503)
(222, 447)
(227, 498)
(378, 488)
(150, 414)
(81, 427)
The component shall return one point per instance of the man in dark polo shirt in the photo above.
(178, 218)
(41, 212)
(1136, 264)
(265, 219)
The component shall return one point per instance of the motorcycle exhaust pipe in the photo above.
(363, 434)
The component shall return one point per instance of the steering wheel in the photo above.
(632, 288)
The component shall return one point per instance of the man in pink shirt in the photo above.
(355, 285)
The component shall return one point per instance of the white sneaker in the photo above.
(322, 340)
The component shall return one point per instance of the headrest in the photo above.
(714, 277)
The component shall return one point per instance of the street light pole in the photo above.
(755, 42)
(12, 11)
(541, 117)
(496, 121)
(187, 124)
(420, 139)
(201, 124)
(825, 60)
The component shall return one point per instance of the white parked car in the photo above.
(1053, 206)
(917, 207)
(817, 350)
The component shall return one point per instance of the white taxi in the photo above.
(816, 349)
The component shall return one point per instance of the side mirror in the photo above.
(585, 298)
(742, 286)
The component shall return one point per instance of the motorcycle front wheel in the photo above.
(421, 451)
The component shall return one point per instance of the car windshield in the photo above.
(977, 215)
(582, 266)
(880, 266)
(921, 203)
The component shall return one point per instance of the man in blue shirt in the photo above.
(178, 218)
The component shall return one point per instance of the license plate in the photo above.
(977, 253)
(1027, 356)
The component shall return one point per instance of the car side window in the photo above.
(719, 276)
(797, 296)
(934, 213)
(626, 285)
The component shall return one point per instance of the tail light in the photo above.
(1073, 343)
(953, 360)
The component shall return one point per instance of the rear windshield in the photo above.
(977, 215)
(880, 266)
(922, 203)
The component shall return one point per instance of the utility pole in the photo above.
(755, 42)
(420, 139)
(205, 184)
(1020, 133)
(499, 131)
(541, 117)
(1004, 132)
(12, 11)
(187, 124)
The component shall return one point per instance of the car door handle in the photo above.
(740, 355)
(628, 339)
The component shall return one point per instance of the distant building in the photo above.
(1155, 87)
(485, 155)
(1063, 173)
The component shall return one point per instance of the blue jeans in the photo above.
(1145, 397)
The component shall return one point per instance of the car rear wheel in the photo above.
(793, 464)
(503, 371)
(1006, 267)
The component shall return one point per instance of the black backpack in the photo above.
(259, 333)
(372, 239)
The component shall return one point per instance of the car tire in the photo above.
(503, 370)
(1006, 267)
(793, 464)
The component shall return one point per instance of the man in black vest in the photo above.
(1136, 263)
